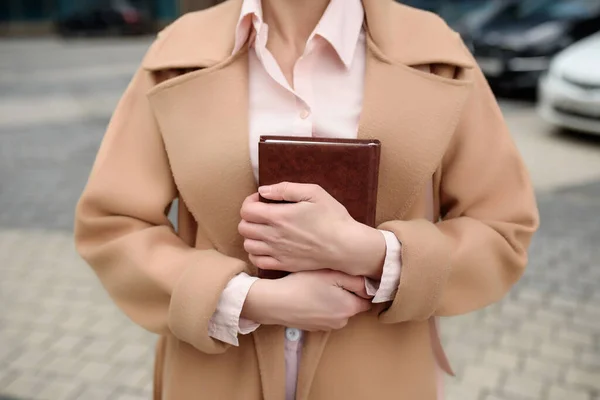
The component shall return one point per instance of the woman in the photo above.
(355, 319)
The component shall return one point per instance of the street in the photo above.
(61, 337)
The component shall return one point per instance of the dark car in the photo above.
(515, 47)
(464, 16)
(467, 16)
(106, 17)
(428, 5)
(458, 12)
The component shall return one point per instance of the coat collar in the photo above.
(205, 38)
(340, 26)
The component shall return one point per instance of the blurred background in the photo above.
(63, 66)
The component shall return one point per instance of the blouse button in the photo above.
(292, 334)
(304, 114)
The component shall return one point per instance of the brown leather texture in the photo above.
(348, 169)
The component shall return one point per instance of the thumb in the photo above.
(288, 191)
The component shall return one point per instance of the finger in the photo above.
(363, 291)
(288, 191)
(362, 305)
(253, 198)
(256, 212)
(266, 262)
(250, 230)
(248, 201)
(257, 248)
(354, 284)
(338, 324)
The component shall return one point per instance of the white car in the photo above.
(569, 94)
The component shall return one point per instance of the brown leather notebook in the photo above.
(348, 169)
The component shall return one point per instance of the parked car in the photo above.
(467, 17)
(469, 14)
(569, 95)
(516, 46)
(105, 17)
(464, 16)
(452, 11)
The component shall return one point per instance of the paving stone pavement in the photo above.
(62, 338)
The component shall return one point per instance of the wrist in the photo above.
(375, 248)
(259, 302)
(365, 252)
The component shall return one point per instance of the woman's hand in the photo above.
(312, 301)
(313, 232)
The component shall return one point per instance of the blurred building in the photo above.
(35, 17)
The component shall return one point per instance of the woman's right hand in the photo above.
(310, 300)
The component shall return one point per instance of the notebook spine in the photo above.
(373, 186)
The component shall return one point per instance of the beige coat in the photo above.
(181, 131)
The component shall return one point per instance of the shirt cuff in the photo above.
(226, 323)
(386, 288)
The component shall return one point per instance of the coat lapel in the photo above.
(414, 114)
(203, 117)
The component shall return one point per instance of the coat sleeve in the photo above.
(478, 250)
(122, 231)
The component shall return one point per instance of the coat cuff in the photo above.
(426, 254)
(195, 298)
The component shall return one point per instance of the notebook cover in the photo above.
(348, 169)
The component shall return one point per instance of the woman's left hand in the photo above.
(313, 232)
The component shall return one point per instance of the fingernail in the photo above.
(264, 189)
